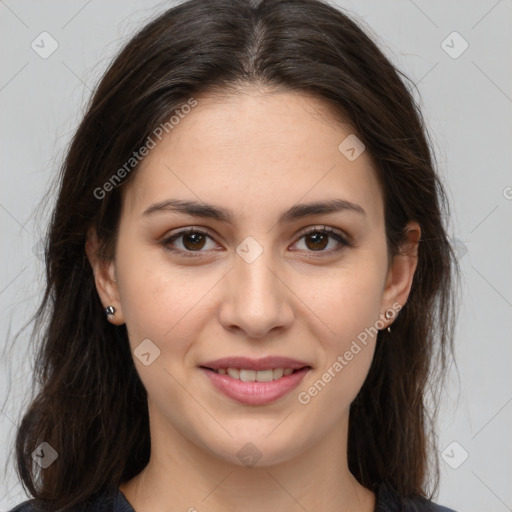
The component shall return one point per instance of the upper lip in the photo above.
(246, 363)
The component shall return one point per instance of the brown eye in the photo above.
(193, 241)
(319, 241)
(189, 242)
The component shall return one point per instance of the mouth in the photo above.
(255, 387)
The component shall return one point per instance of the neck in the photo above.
(192, 478)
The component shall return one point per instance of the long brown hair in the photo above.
(90, 405)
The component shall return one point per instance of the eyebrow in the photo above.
(298, 211)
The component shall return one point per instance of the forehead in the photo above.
(256, 152)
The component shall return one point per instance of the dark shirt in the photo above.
(386, 501)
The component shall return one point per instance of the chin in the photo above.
(257, 451)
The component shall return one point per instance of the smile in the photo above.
(255, 387)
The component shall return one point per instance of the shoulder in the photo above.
(26, 506)
(389, 501)
(102, 501)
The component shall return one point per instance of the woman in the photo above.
(249, 283)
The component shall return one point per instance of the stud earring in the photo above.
(389, 315)
(110, 310)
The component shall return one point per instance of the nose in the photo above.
(256, 298)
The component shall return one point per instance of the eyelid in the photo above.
(191, 229)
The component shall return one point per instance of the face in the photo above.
(264, 277)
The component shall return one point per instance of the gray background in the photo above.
(467, 103)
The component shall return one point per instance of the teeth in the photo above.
(255, 376)
(233, 372)
(278, 373)
(248, 375)
(264, 375)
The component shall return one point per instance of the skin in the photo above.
(256, 153)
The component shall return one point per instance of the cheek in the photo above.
(162, 302)
(345, 302)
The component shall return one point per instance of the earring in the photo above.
(389, 315)
(110, 310)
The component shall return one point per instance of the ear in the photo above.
(401, 271)
(104, 277)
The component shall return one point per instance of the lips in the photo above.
(237, 377)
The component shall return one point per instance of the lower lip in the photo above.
(255, 393)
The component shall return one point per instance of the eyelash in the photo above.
(343, 242)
